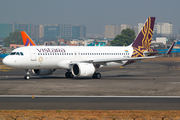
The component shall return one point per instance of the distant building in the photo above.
(65, 31)
(92, 35)
(41, 31)
(160, 28)
(1, 52)
(51, 31)
(62, 42)
(1, 42)
(163, 28)
(111, 31)
(5, 29)
(98, 43)
(161, 40)
(15, 46)
(140, 25)
(28, 28)
(78, 31)
(159, 45)
(135, 28)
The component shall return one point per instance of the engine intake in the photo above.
(83, 69)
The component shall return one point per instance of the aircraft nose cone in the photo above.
(6, 61)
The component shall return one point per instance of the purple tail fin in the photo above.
(142, 42)
(143, 39)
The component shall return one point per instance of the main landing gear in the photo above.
(96, 76)
(27, 76)
(69, 74)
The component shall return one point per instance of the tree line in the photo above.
(13, 38)
(126, 38)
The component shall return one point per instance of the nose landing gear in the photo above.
(27, 76)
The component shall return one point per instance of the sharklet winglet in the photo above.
(27, 40)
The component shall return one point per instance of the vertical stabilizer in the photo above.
(143, 40)
(144, 37)
(27, 40)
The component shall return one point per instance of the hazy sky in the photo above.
(95, 14)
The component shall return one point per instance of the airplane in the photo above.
(80, 61)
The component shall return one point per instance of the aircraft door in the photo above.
(33, 54)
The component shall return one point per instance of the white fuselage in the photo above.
(60, 57)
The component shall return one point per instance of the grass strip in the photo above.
(89, 114)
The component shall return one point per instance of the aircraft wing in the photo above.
(112, 60)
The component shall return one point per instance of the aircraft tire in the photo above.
(27, 77)
(69, 75)
(96, 76)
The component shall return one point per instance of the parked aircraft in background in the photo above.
(80, 61)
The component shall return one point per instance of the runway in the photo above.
(91, 103)
(139, 79)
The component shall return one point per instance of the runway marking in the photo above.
(4, 70)
(57, 96)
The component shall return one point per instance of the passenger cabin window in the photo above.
(21, 53)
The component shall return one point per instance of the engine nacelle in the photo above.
(42, 71)
(83, 69)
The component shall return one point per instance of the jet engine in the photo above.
(42, 71)
(82, 69)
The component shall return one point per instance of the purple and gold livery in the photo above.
(142, 42)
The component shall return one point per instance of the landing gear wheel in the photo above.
(69, 75)
(96, 76)
(27, 77)
(66, 74)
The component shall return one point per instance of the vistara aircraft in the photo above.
(80, 61)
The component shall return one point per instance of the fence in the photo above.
(163, 51)
(61, 118)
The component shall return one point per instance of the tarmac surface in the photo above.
(139, 79)
(90, 103)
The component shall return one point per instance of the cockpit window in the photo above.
(17, 53)
(21, 53)
(13, 53)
